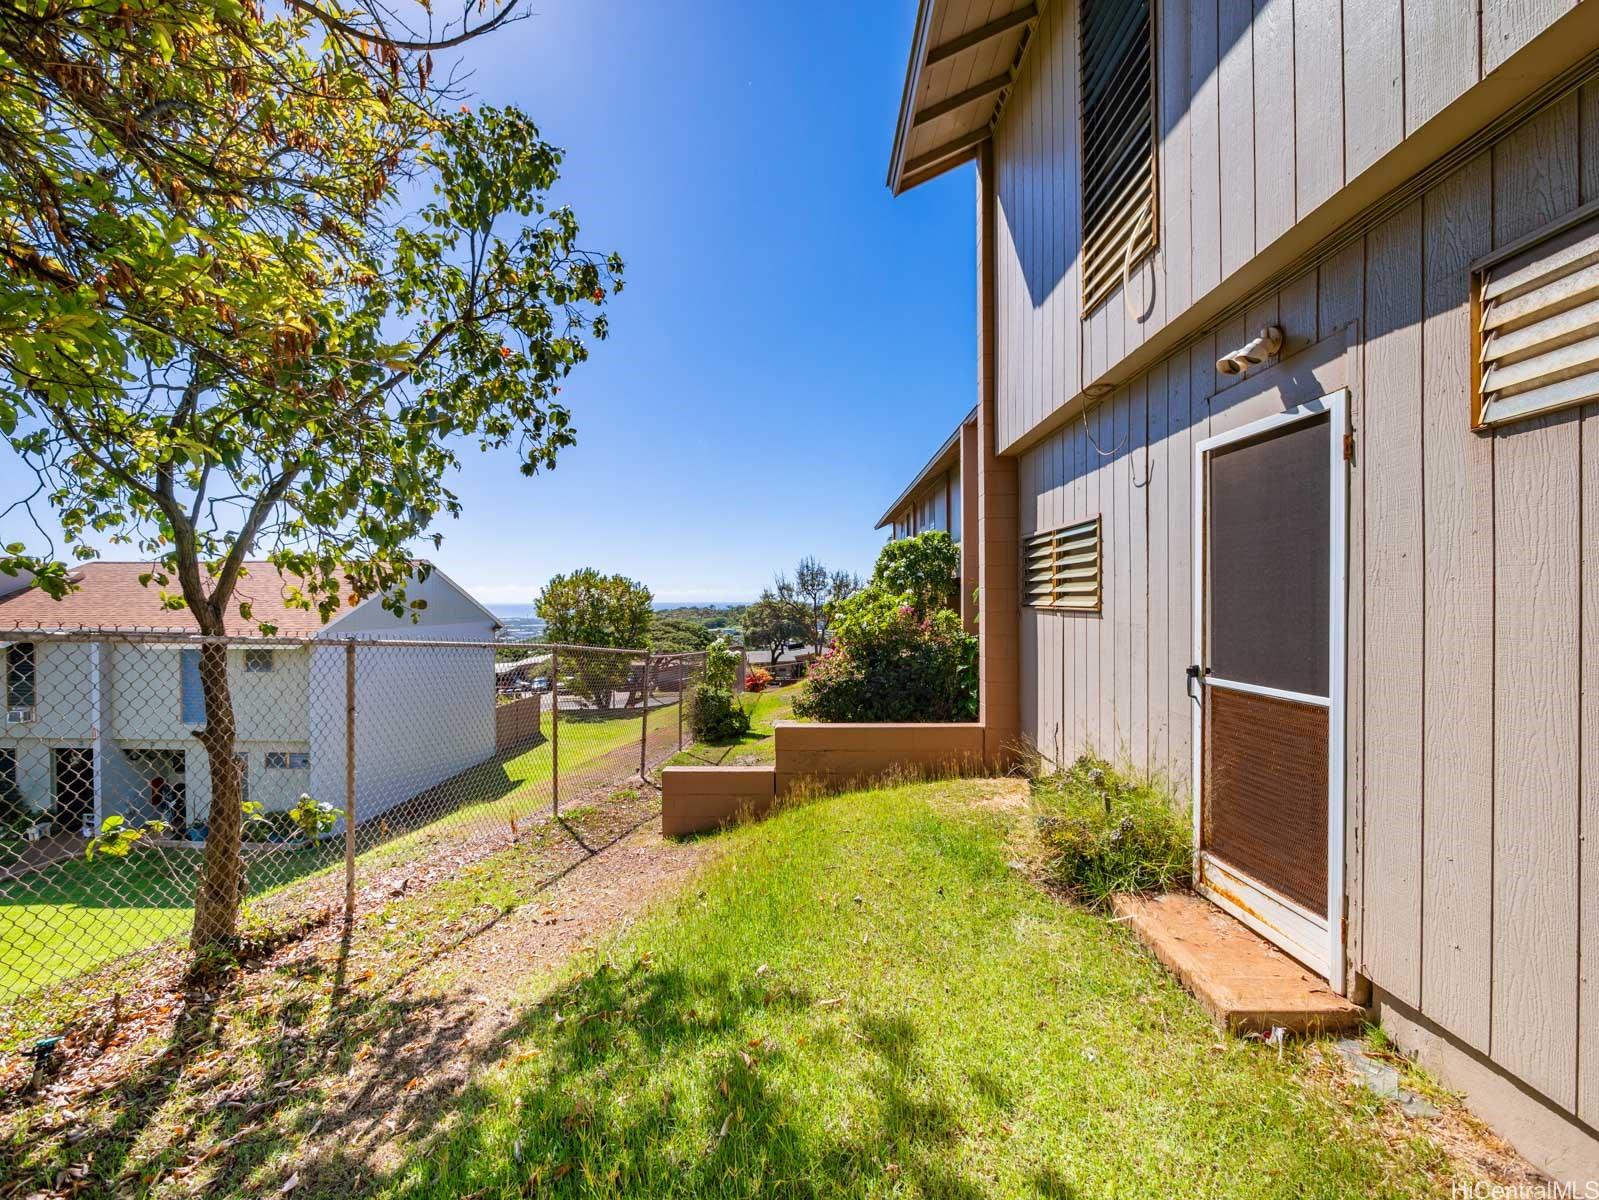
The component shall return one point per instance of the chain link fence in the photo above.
(120, 754)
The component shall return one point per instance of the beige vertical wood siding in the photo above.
(1267, 109)
(1473, 756)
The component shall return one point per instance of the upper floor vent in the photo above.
(1117, 64)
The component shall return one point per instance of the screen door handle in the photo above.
(1195, 672)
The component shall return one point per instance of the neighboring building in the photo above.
(791, 663)
(97, 725)
(1341, 582)
(936, 500)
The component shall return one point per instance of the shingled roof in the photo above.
(110, 596)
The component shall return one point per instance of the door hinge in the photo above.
(1349, 447)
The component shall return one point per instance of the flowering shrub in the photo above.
(890, 663)
(721, 665)
(758, 680)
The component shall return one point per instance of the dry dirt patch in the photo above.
(403, 1084)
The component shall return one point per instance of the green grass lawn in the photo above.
(72, 917)
(863, 997)
(758, 745)
(76, 916)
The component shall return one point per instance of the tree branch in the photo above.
(382, 39)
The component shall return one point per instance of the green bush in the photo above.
(925, 567)
(1104, 833)
(715, 716)
(890, 664)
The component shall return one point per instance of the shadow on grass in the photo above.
(138, 1099)
(590, 1113)
(305, 1025)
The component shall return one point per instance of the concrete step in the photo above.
(1243, 981)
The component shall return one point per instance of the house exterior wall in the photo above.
(1267, 113)
(969, 520)
(1473, 663)
(147, 694)
(67, 678)
(423, 715)
(936, 505)
(944, 503)
(64, 673)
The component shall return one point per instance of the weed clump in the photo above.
(1104, 831)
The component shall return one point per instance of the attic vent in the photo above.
(1537, 310)
(1063, 568)
(1117, 61)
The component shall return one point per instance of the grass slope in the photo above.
(861, 997)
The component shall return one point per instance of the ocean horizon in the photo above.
(525, 612)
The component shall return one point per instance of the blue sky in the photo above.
(793, 342)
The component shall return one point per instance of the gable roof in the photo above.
(110, 596)
(964, 58)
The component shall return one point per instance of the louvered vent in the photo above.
(1116, 55)
(1063, 567)
(1537, 310)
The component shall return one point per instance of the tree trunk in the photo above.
(221, 884)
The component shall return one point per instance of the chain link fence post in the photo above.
(682, 697)
(349, 784)
(644, 723)
(555, 731)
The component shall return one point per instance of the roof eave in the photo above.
(946, 456)
(905, 170)
(907, 101)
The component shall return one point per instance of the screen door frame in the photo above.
(1314, 940)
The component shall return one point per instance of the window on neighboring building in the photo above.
(8, 774)
(1117, 114)
(1062, 568)
(256, 661)
(954, 508)
(1536, 305)
(288, 760)
(193, 691)
(21, 678)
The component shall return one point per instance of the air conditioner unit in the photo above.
(19, 716)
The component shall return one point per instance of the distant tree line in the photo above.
(591, 609)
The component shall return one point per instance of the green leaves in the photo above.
(926, 567)
(586, 608)
(215, 341)
(117, 838)
(313, 817)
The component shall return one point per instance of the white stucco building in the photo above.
(101, 711)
